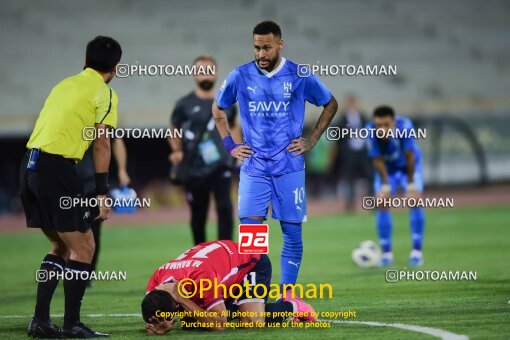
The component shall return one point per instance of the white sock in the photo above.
(416, 253)
(388, 255)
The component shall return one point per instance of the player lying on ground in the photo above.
(272, 92)
(397, 163)
(222, 261)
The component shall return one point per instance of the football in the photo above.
(367, 254)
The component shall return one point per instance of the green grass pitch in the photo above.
(474, 239)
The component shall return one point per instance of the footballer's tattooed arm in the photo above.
(302, 144)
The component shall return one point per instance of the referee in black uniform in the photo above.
(201, 156)
(49, 182)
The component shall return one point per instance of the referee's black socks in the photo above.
(74, 289)
(49, 273)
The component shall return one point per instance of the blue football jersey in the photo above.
(272, 110)
(393, 150)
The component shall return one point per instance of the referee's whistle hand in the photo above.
(104, 211)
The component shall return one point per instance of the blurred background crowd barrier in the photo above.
(452, 57)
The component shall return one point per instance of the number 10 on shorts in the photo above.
(253, 238)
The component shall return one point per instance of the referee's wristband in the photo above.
(229, 144)
(102, 183)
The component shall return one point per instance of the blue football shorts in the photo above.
(286, 193)
(398, 180)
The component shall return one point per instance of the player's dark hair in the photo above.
(157, 300)
(268, 27)
(103, 54)
(384, 111)
(204, 58)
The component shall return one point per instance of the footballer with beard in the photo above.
(271, 92)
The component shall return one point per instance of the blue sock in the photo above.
(384, 227)
(292, 252)
(246, 220)
(417, 222)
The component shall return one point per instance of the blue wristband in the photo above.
(229, 144)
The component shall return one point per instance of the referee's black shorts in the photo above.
(44, 192)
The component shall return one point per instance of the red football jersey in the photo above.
(208, 260)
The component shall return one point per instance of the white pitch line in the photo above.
(445, 335)
(440, 333)
(88, 315)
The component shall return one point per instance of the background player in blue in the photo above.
(271, 97)
(397, 163)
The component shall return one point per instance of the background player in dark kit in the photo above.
(202, 156)
(351, 164)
